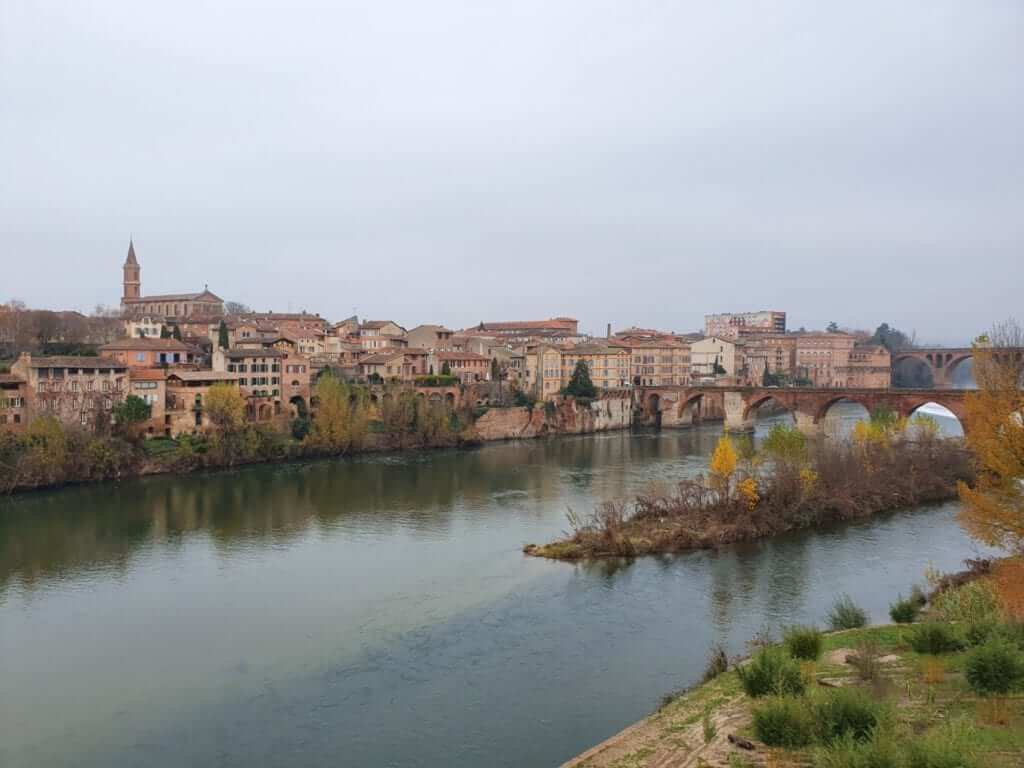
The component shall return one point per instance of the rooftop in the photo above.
(76, 361)
(236, 353)
(203, 295)
(147, 343)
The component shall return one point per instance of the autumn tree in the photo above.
(342, 416)
(723, 465)
(224, 406)
(993, 509)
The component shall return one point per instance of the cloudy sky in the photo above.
(639, 162)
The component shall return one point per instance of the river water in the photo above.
(379, 612)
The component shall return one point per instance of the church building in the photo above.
(170, 306)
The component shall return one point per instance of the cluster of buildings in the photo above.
(176, 346)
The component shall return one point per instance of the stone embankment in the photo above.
(566, 416)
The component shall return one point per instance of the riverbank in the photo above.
(49, 455)
(790, 484)
(896, 695)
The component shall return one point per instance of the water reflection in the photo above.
(380, 608)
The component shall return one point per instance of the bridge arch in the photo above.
(831, 402)
(751, 410)
(948, 415)
(689, 408)
(654, 409)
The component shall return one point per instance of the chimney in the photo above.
(609, 334)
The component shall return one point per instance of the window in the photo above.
(83, 418)
(140, 357)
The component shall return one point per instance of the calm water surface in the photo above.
(378, 612)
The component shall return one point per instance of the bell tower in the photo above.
(132, 275)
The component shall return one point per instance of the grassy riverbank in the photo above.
(787, 485)
(915, 695)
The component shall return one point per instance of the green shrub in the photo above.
(948, 746)
(846, 614)
(904, 611)
(784, 722)
(968, 604)
(979, 632)
(802, 642)
(879, 751)
(846, 712)
(935, 637)
(771, 672)
(996, 667)
(1013, 632)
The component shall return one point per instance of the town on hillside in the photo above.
(169, 349)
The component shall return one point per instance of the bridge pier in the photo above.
(806, 424)
(735, 406)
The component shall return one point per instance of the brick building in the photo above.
(79, 391)
(170, 306)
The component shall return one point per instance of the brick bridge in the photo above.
(680, 406)
(942, 361)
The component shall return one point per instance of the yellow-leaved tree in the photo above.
(224, 406)
(993, 510)
(723, 465)
(342, 416)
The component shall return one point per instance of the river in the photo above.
(378, 611)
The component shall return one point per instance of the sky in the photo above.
(639, 162)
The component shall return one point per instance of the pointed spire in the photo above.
(131, 254)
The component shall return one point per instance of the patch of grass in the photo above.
(784, 721)
(973, 602)
(802, 642)
(708, 727)
(951, 745)
(881, 750)
(935, 637)
(771, 672)
(846, 614)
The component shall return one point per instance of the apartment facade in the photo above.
(13, 402)
(656, 360)
(78, 391)
(869, 367)
(731, 325)
(146, 352)
(821, 355)
(549, 368)
(714, 357)
(467, 366)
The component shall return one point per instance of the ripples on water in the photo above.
(378, 612)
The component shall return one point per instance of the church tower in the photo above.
(132, 275)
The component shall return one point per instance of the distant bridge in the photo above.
(680, 406)
(942, 361)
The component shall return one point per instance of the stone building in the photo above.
(870, 367)
(656, 359)
(771, 352)
(184, 410)
(467, 366)
(549, 368)
(79, 391)
(170, 306)
(821, 355)
(732, 325)
(13, 402)
(146, 352)
(259, 378)
(716, 357)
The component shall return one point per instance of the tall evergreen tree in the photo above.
(580, 384)
(222, 335)
(177, 333)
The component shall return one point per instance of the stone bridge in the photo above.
(678, 406)
(942, 361)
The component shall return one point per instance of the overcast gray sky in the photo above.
(635, 161)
